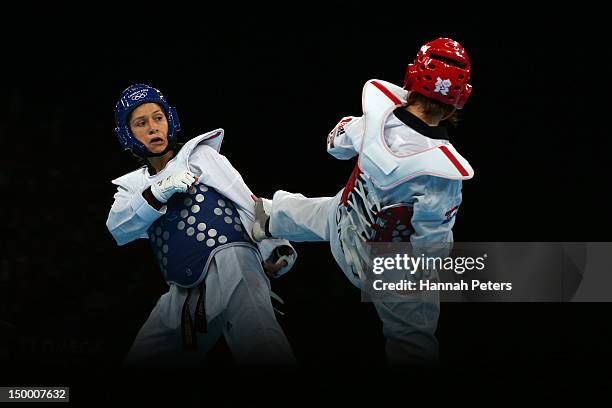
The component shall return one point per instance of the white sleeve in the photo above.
(216, 171)
(344, 141)
(433, 218)
(131, 215)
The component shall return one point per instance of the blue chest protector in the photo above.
(196, 225)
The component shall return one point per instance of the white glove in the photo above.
(175, 183)
(280, 261)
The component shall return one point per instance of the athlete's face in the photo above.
(149, 125)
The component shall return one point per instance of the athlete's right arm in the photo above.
(135, 209)
(178, 182)
(131, 215)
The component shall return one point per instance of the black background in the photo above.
(535, 130)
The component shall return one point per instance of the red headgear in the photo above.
(441, 71)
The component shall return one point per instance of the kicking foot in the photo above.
(260, 230)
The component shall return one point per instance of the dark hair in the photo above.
(434, 108)
(129, 115)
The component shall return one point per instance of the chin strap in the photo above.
(148, 153)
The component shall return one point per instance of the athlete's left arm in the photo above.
(216, 171)
(344, 141)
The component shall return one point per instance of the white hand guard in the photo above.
(175, 183)
(283, 253)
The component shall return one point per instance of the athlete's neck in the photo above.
(431, 120)
(159, 163)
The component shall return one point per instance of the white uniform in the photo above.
(407, 172)
(237, 296)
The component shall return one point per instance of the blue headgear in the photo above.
(131, 98)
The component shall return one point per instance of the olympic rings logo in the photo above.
(136, 96)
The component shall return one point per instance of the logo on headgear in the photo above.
(138, 95)
(442, 86)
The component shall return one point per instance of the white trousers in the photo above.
(237, 306)
(409, 323)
